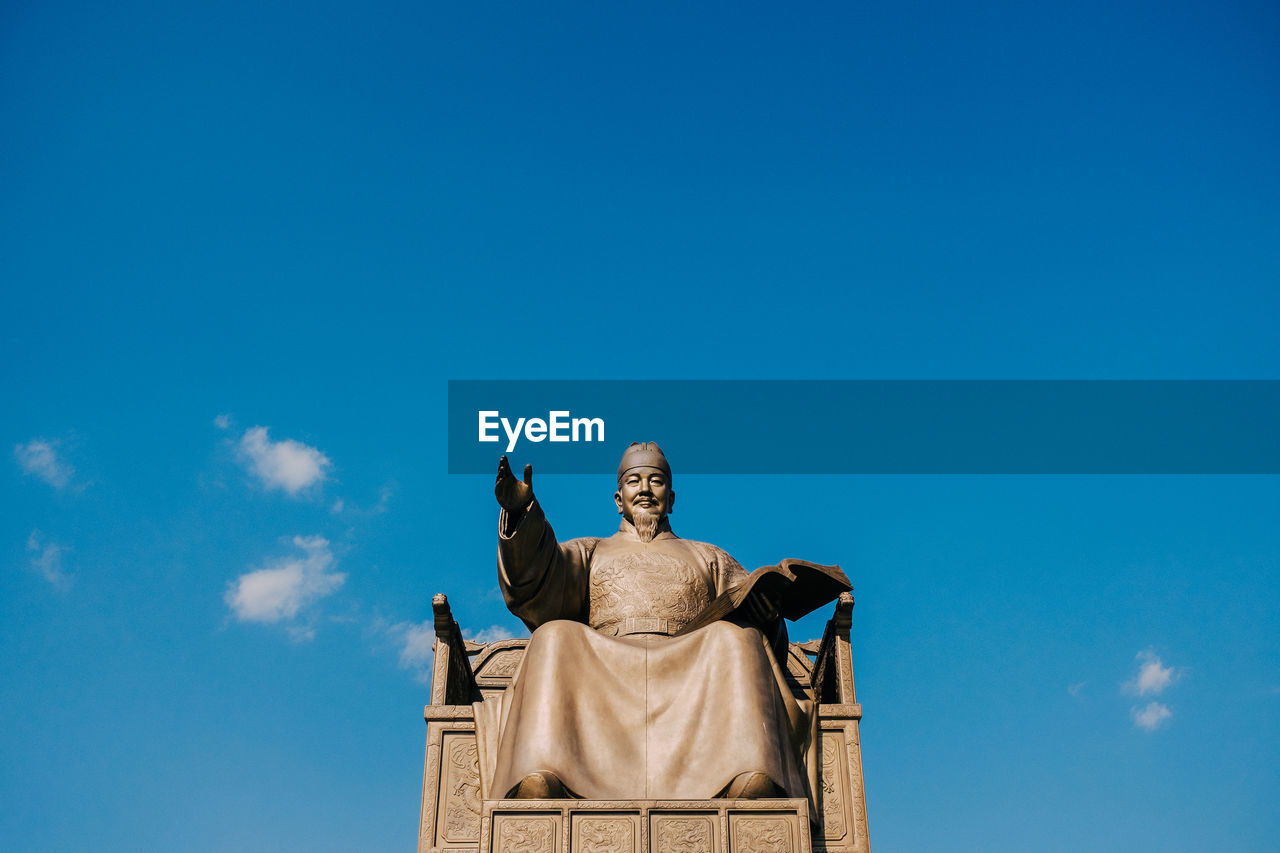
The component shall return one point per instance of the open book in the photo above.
(798, 586)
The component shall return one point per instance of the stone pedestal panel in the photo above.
(842, 823)
(645, 826)
(451, 805)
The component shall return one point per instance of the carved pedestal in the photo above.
(843, 821)
(645, 826)
(452, 810)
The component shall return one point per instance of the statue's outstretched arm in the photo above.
(541, 579)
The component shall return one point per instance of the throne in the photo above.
(455, 818)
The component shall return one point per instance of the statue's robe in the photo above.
(609, 701)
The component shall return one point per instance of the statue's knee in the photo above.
(553, 633)
(729, 634)
(722, 630)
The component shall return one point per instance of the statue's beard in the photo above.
(646, 521)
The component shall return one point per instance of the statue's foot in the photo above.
(751, 786)
(538, 786)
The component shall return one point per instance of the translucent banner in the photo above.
(871, 427)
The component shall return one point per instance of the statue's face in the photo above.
(644, 491)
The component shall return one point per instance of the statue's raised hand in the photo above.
(512, 494)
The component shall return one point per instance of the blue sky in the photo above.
(244, 217)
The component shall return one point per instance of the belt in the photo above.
(646, 625)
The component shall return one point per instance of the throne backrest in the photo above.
(467, 671)
(493, 665)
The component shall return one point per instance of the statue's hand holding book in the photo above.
(795, 587)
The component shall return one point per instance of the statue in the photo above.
(608, 702)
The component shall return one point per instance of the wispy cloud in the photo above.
(222, 421)
(1152, 717)
(1074, 689)
(46, 558)
(40, 458)
(341, 507)
(287, 464)
(285, 587)
(1153, 676)
(416, 642)
(492, 634)
(417, 646)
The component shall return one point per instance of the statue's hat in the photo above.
(643, 454)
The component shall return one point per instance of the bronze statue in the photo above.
(608, 703)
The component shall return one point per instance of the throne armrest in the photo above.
(452, 682)
(832, 678)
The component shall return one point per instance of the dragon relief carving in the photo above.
(606, 835)
(462, 804)
(762, 835)
(649, 585)
(684, 835)
(526, 835)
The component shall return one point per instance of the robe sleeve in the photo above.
(541, 579)
(728, 572)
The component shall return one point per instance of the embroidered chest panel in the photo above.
(653, 584)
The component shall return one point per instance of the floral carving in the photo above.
(501, 665)
(832, 802)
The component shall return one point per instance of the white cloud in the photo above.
(287, 586)
(1074, 689)
(417, 643)
(40, 457)
(222, 421)
(385, 494)
(1151, 717)
(47, 559)
(289, 465)
(492, 634)
(1153, 676)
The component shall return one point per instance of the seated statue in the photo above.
(608, 703)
